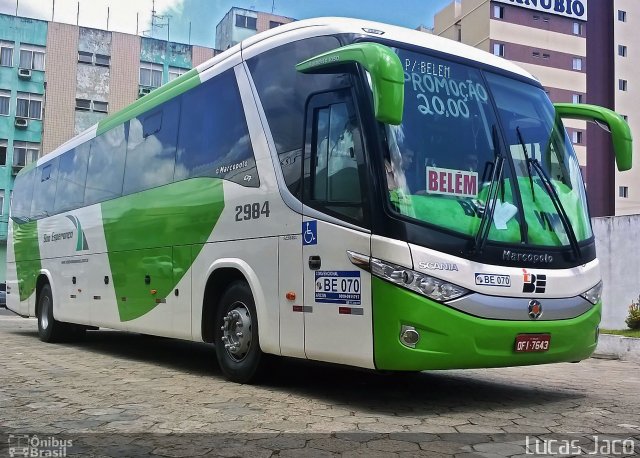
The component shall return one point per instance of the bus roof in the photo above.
(282, 34)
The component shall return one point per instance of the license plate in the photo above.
(528, 343)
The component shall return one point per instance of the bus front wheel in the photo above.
(236, 335)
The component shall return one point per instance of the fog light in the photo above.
(409, 336)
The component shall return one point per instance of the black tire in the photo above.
(49, 329)
(246, 364)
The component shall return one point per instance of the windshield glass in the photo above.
(441, 158)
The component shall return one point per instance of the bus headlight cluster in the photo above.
(594, 294)
(431, 287)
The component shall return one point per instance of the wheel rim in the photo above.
(44, 312)
(236, 331)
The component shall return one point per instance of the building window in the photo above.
(102, 60)
(536, 54)
(622, 50)
(274, 24)
(6, 54)
(1, 201)
(29, 105)
(623, 191)
(85, 57)
(622, 84)
(498, 49)
(24, 153)
(577, 63)
(175, 72)
(32, 57)
(498, 12)
(577, 98)
(83, 104)
(577, 137)
(150, 74)
(5, 97)
(100, 107)
(3, 152)
(577, 28)
(246, 22)
(622, 16)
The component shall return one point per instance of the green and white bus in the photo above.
(332, 189)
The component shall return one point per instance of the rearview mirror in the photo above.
(387, 76)
(620, 131)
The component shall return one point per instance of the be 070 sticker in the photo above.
(338, 287)
(493, 280)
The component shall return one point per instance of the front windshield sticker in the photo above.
(503, 213)
(450, 182)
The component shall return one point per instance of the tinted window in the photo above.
(334, 170)
(72, 175)
(151, 148)
(45, 189)
(214, 138)
(22, 194)
(283, 92)
(106, 166)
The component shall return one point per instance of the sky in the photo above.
(203, 15)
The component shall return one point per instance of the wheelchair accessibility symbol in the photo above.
(310, 232)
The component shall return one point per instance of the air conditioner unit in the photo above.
(21, 123)
(24, 73)
(16, 169)
(143, 91)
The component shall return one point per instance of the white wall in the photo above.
(618, 249)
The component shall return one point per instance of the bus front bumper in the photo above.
(450, 339)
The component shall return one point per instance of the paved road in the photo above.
(118, 394)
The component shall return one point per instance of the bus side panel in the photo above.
(26, 252)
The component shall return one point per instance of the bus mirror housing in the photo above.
(614, 123)
(387, 76)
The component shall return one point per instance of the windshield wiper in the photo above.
(492, 196)
(553, 195)
(528, 161)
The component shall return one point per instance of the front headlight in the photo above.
(431, 287)
(594, 294)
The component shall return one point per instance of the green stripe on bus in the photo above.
(147, 235)
(27, 254)
(160, 95)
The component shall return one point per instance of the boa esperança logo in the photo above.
(81, 241)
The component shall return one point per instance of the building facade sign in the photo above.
(576, 9)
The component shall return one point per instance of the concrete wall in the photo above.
(619, 254)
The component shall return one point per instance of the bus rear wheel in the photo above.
(236, 335)
(50, 329)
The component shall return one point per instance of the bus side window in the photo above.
(214, 137)
(283, 93)
(23, 190)
(72, 175)
(106, 166)
(151, 148)
(334, 165)
(45, 189)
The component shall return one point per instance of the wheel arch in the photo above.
(44, 278)
(222, 273)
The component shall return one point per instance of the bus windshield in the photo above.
(441, 159)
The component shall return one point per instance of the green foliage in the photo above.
(633, 320)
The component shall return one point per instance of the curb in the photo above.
(611, 346)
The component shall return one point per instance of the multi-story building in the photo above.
(626, 84)
(569, 47)
(240, 23)
(57, 79)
